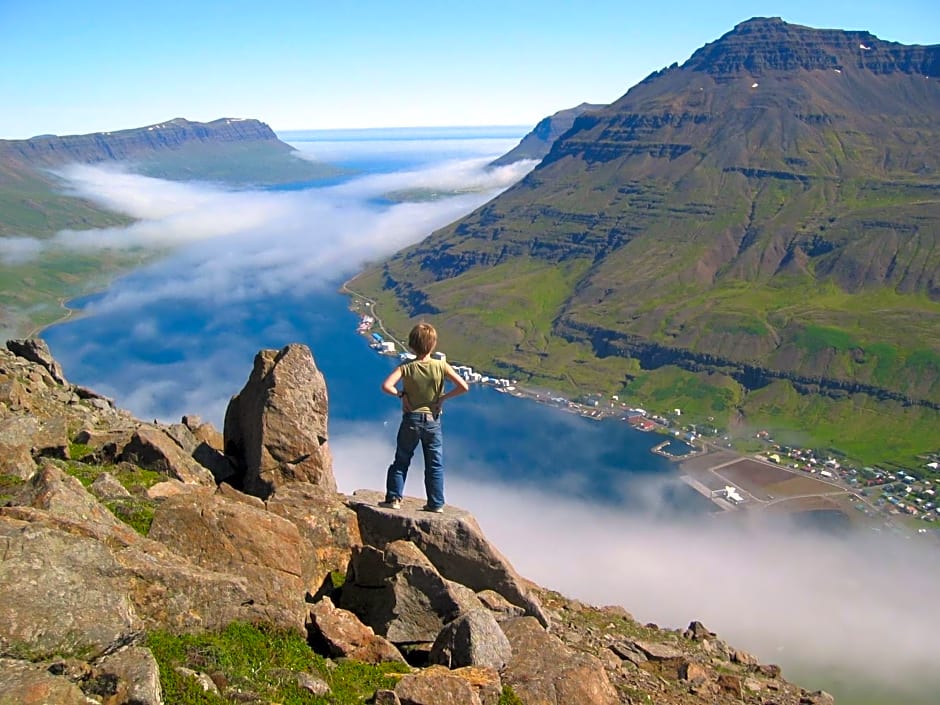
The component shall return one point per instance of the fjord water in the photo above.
(187, 350)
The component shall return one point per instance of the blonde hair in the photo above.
(422, 339)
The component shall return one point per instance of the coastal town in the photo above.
(778, 478)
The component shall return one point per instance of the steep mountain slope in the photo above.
(768, 211)
(539, 141)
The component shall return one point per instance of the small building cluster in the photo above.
(898, 492)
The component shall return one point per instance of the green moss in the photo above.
(337, 578)
(77, 451)
(261, 660)
(508, 697)
(9, 484)
(136, 513)
(134, 479)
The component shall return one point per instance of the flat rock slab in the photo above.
(452, 541)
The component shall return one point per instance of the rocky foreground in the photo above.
(186, 529)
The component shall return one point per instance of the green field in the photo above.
(508, 332)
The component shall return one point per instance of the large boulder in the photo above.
(36, 350)
(544, 671)
(27, 683)
(452, 541)
(328, 527)
(152, 448)
(41, 437)
(136, 673)
(439, 686)
(473, 639)
(219, 533)
(86, 552)
(60, 594)
(340, 633)
(400, 594)
(276, 427)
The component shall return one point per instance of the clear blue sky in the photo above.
(71, 67)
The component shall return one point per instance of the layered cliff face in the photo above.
(126, 145)
(773, 201)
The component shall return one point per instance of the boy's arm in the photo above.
(388, 386)
(460, 384)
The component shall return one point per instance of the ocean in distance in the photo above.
(577, 505)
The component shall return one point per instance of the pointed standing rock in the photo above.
(276, 427)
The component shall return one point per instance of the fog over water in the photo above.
(577, 506)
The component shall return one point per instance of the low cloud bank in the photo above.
(241, 259)
(852, 612)
(334, 229)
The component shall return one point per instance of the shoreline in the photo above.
(746, 492)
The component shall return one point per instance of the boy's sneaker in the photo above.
(429, 508)
(391, 504)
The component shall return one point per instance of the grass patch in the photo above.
(698, 396)
(136, 511)
(263, 661)
(9, 484)
(508, 697)
(818, 338)
(134, 479)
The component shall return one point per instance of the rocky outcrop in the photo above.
(764, 44)
(276, 426)
(220, 533)
(85, 576)
(544, 670)
(327, 525)
(454, 545)
(36, 350)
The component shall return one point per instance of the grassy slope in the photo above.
(817, 277)
(499, 320)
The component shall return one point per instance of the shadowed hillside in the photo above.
(763, 218)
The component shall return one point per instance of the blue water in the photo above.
(186, 351)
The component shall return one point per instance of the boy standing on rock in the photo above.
(422, 396)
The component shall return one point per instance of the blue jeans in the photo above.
(426, 429)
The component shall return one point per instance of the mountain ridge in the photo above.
(121, 145)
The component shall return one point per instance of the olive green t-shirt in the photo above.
(423, 381)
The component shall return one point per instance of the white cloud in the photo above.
(232, 249)
(18, 250)
(245, 243)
